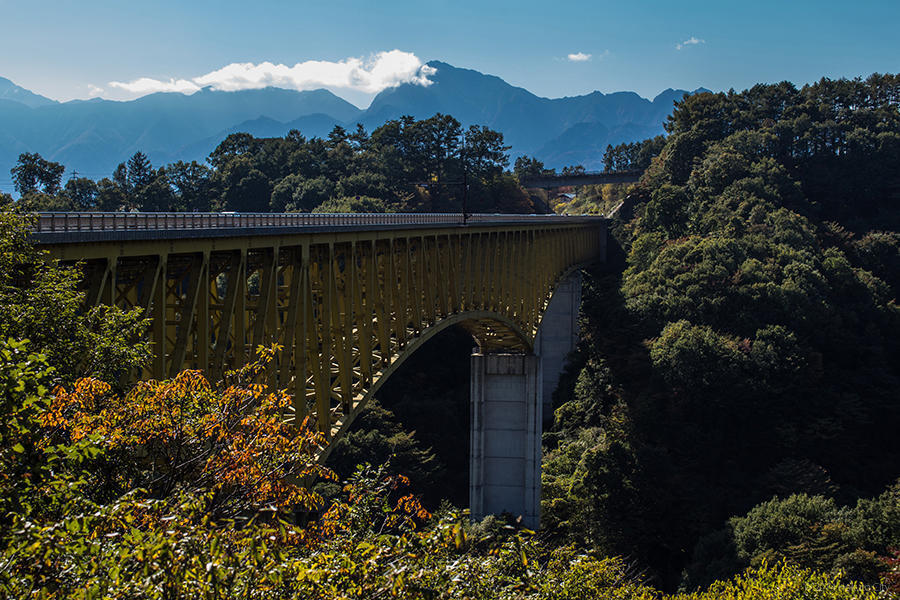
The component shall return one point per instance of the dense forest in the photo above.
(745, 364)
(406, 165)
(728, 426)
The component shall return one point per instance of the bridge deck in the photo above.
(577, 179)
(52, 228)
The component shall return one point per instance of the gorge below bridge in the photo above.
(348, 298)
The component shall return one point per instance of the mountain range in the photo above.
(93, 136)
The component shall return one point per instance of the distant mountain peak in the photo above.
(94, 136)
(668, 96)
(11, 91)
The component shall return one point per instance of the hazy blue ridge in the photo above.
(93, 136)
(15, 93)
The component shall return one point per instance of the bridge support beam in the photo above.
(557, 337)
(505, 457)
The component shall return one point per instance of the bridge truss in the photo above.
(346, 303)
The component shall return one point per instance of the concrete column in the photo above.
(558, 336)
(505, 458)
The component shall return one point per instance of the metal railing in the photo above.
(47, 222)
(614, 173)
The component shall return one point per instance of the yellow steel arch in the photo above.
(475, 322)
(347, 307)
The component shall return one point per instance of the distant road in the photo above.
(588, 178)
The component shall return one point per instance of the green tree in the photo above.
(484, 154)
(752, 337)
(527, 166)
(379, 438)
(82, 193)
(140, 171)
(33, 173)
(233, 146)
(573, 170)
(363, 183)
(111, 196)
(309, 194)
(192, 182)
(283, 192)
(244, 188)
(667, 211)
(41, 302)
(355, 204)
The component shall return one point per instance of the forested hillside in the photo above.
(750, 350)
(728, 427)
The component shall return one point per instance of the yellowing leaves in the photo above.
(184, 431)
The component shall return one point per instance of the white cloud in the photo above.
(692, 41)
(368, 75)
(579, 57)
(146, 85)
(94, 91)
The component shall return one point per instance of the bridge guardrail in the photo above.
(48, 222)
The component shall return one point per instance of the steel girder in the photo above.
(346, 308)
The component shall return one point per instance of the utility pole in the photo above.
(465, 202)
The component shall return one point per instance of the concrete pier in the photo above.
(557, 337)
(505, 457)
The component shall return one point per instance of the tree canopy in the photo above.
(750, 347)
(405, 165)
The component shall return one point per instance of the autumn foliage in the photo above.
(185, 432)
(892, 577)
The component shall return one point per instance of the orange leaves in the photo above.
(407, 511)
(78, 412)
(151, 413)
(411, 506)
(268, 458)
(163, 413)
(184, 432)
(369, 508)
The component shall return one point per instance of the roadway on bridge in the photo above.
(579, 179)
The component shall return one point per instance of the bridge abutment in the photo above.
(505, 457)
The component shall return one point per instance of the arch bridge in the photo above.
(348, 298)
(555, 180)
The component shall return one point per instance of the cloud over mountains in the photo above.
(369, 75)
(96, 135)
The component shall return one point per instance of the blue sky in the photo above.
(68, 49)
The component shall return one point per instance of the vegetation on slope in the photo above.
(183, 489)
(750, 348)
(732, 412)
